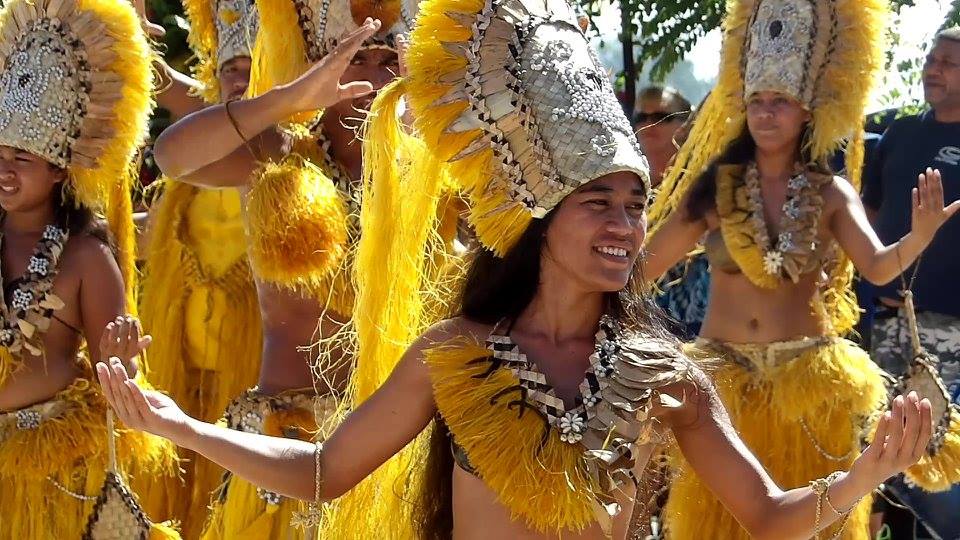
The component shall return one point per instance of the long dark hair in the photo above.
(501, 289)
(72, 216)
(740, 151)
(77, 219)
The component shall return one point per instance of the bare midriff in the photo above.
(289, 330)
(740, 312)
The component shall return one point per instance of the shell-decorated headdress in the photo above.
(75, 89)
(298, 33)
(220, 30)
(511, 93)
(827, 54)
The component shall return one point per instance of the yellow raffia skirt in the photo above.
(241, 510)
(53, 458)
(802, 407)
(200, 305)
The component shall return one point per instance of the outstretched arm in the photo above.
(718, 456)
(210, 147)
(670, 243)
(176, 91)
(880, 264)
(370, 435)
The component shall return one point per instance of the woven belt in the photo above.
(32, 417)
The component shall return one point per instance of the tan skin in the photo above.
(89, 281)
(741, 312)
(556, 331)
(205, 149)
(657, 138)
(941, 80)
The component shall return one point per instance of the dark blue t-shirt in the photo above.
(908, 147)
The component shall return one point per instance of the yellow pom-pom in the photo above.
(297, 224)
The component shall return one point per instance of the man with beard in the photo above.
(298, 183)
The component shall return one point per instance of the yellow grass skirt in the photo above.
(53, 458)
(802, 407)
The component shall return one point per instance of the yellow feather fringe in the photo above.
(942, 470)
(297, 225)
(831, 388)
(546, 488)
(279, 52)
(400, 217)
(205, 322)
(72, 449)
(498, 221)
(107, 187)
(203, 40)
(244, 515)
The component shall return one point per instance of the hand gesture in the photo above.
(123, 338)
(929, 213)
(900, 440)
(144, 410)
(152, 29)
(320, 86)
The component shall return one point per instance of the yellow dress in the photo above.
(200, 305)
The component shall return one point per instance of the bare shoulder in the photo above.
(87, 248)
(454, 328)
(838, 192)
(91, 255)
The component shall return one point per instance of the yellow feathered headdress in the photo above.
(220, 30)
(298, 33)
(827, 54)
(511, 93)
(76, 89)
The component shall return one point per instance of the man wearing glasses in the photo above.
(660, 112)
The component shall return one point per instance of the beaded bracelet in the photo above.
(821, 487)
(313, 515)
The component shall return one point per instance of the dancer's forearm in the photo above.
(209, 135)
(284, 466)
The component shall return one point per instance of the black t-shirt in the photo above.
(908, 147)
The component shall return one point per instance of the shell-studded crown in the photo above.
(237, 24)
(75, 83)
(513, 94)
(787, 45)
(325, 22)
(827, 54)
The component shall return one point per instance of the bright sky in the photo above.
(916, 24)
